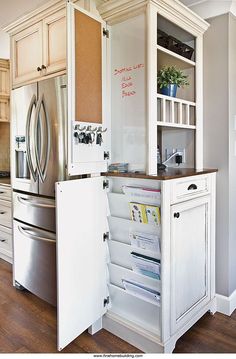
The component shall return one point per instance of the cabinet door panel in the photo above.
(27, 54)
(81, 207)
(87, 96)
(54, 42)
(189, 259)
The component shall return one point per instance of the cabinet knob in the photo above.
(176, 215)
(39, 68)
(192, 187)
(44, 67)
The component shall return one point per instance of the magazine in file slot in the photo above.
(140, 291)
(146, 265)
(146, 241)
(143, 213)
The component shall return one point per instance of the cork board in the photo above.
(88, 69)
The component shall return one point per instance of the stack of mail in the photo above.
(146, 241)
(146, 265)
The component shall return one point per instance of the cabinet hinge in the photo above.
(105, 184)
(106, 301)
(106, 155)
(106, 33)
(106, 236)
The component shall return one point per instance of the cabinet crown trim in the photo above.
(34, 16)
(174, 10)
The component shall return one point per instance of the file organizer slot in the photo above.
(120, 253)
(135, 296)
(145, 315)
(120, 228)
(118, 273)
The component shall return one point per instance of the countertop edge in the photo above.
(170, 174)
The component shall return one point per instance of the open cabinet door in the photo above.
(81, 256)
(88, 100)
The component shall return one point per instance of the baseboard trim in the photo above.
(226, 305)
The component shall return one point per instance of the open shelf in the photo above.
(168, 58)
(176, 112)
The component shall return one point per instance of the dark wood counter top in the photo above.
(168, 174)
(5, 181)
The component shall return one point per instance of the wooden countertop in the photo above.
(168, 174)
(5, 181)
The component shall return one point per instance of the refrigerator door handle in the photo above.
(33, 103)
(27, 201)
(47, 137)
(24, 232)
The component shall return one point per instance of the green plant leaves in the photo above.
(168, 75)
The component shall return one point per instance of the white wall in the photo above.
(220, 140)
(4, 45)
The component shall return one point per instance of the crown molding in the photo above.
(33, 16)
(114, 11)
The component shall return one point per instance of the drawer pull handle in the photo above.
(39, 68)
(2, 240)
(192, 187)
(3, 212)
(1, 192)
(176, 215)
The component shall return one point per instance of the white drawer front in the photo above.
(184, 189)
(5, 240)
(5, 214)
(5, 193)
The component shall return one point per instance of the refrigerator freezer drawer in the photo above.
(37, 211)
(35, 260)
(5, 214)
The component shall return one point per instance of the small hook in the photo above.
(77, 128)
(101, 130)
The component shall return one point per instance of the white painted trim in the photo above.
(114, 10)
(226, 305)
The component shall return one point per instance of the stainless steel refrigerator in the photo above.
(38, 160)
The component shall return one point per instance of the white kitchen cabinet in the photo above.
(94, 238)
(38, 44)
(27, 54)
(54, 42)
(5, 223)
(190, 259)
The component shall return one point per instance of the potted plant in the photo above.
(169, 78)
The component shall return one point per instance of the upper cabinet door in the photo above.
(87, 107)
(81, 207)
(27, 54)
(54, 42)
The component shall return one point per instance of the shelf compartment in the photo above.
(120, 228)
(135, 310)
(119, 204)
(166, 57)
(175, 112)
(120, 253)
(117, 273)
